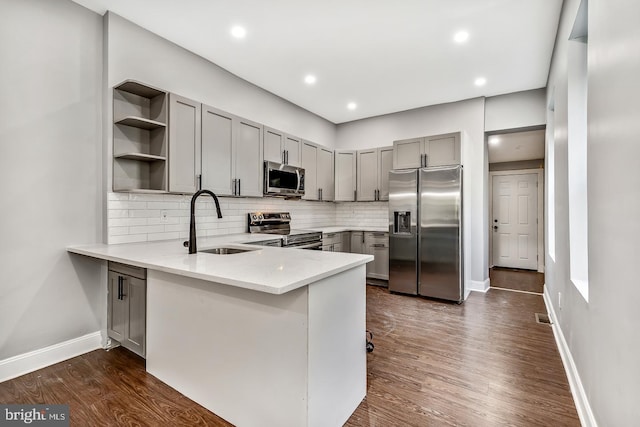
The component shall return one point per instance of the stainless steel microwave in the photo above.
(283, 180)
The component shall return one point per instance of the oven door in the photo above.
(283, 180)
(316, 246)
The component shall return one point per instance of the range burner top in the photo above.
(279, 223)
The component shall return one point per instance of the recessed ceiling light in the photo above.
(352, 106)
(480, 81)
(494, 140)
(310, 79)
(461, 36)
(238, 32)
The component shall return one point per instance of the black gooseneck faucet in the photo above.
(192, 223)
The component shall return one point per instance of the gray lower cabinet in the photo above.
(127, 306)
(336, 242)
(377, 244)
(357, 242)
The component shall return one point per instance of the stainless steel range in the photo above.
(279, 223)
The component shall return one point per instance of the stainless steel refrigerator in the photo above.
(425, 232)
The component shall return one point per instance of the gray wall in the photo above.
(603, 334)
(464, 116)
(516, 110)
(50, 170)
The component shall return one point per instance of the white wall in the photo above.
(602, 336)
(515, 110)
(50, 170)
(135, 53)
(464, 116)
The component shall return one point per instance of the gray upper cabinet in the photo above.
(273, 145)
(443, 150)
(231, 154)
(248, 158)
(345, 175)
(325, 174)
(367, 167)
(385, 164)
(293, 150)
(310, 165)
(282, 148)
(437, 150)
(184, 144)
(373, 173)
(139, 138)
(408, 153)
(317, 162)
(217, 151)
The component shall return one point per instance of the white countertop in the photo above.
(266, 269)
(341, 228)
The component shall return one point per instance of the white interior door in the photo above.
(515, 221)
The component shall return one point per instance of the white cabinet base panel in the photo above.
(257, 359)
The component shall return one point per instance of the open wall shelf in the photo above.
(139, 138)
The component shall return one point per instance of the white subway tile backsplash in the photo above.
(130, 238)
(117, 213)
(144, 213)
(147, 229)
(125, 222)
(163, 236)
(125, 204)
(146, 197)
(137, 217)
(118, 196)
(118, 231)
(163, 205)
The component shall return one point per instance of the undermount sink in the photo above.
(226, 251)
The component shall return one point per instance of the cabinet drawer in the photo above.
(128, 270)
(376, 238)
(331, 238)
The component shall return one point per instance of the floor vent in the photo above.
(543, 318)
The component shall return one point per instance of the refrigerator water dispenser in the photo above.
(402, 222)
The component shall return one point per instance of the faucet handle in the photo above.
(185, 243)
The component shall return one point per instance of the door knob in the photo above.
(495, 227)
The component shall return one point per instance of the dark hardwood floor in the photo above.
(517, 280)
(483, 363)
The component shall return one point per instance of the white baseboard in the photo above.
(575, 383)
(478, 286)
(28, 362)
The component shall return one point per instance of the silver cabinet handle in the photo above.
(234, 186)
(239, 188)
(320, 190)
(426, 160)
(355, 195)
(284, 157)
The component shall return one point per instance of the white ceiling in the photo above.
(384, 55)
(513, 147)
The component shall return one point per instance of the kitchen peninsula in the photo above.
(267, 337)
